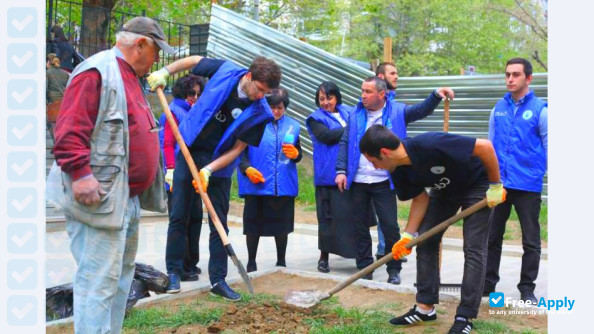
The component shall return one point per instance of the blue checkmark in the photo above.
(22, 58)
(22, 166)
(496, 299)
(21, 310)
(21, 22)
(21, 274)
(21, 202)
(21, 130)
(22, 94)
(21, 238)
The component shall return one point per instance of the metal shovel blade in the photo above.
(305, 298)
(243, 273)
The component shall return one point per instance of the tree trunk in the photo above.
(95, 26)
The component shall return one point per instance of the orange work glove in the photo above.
(254, 175)
(204, 177)
(399, 250)
(290, 151)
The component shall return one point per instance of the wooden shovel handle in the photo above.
(184, 149)
(446, 115)
(428, 234)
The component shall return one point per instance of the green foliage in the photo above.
(491, 327)
(355, 321)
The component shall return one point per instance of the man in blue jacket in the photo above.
(518, 130)
(389, 73)
(355, 173)
(230, 114)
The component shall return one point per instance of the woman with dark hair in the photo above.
(55, 78)
(62, 48)
(268, 181)
(326, 125)
(186, 92)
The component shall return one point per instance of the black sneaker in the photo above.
(461, 326)
(368, 277)
(225, 291)
(189, 276)
(251, 266)
(414, 317)
(529, 296)
(323, 266)
(173, 286)
(394, 278)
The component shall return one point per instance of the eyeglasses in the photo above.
(262, 90)
(194, 93)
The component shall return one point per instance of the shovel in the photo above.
(204, 195)
(309, 298)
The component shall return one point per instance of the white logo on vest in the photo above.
(438, 170)
(236, 112)
(527, 114)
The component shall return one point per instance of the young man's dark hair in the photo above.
(184, 86)
(329, 88)
(525, 62)
(376, 138)
(277, 96)
(380, 84)
(381, 68)
(266, 71)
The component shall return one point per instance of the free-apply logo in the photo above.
(496, 299)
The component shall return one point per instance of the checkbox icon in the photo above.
(21, 130)
(22, 22)
(22, 94)
(22, 166)
(496, 299)
(22, 58)
(22, 202)
(21, 310)
(21, 274)
(21, 238)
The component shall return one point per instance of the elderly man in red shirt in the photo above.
(108, 149)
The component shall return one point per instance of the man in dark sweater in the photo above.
(230, 114)
(459, 170)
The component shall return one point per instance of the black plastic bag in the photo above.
(153, 279)
(58, 302)
(138, 291)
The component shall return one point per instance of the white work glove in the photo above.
(158, 79)
(169, 177)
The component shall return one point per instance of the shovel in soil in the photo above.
(309, 298)
(204, 195)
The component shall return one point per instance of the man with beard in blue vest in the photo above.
(231, 114)
(366, 184)
(518, 130)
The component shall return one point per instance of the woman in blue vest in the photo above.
(268, 181)
(186, 92)
(325, 126)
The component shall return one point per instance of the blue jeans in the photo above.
(183, 200)
(102, 281)
(381, 242)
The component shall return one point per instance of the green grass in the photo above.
(146, 320)
(353, 321)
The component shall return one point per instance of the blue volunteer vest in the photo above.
(521, 155)
(179, 108)
(216, 92)
(392, 118)
(281, 179)
(324, 156)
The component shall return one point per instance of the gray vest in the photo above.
(109, 153)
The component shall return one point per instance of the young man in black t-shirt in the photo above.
(215, 141)
(459, 170)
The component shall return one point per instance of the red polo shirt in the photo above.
(77, 118)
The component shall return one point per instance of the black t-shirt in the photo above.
(213, 130)
(441, 161)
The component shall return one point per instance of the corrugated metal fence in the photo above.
(237, 38)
